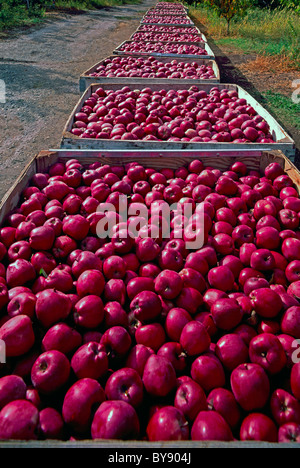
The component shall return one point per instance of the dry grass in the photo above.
(270, 64)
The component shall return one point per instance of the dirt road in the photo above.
(41, 70)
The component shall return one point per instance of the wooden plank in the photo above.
(43, 160)
(283, 141)
(85, 80)
(203, 45)
(200, 37)
(163, 28)
(41, 163)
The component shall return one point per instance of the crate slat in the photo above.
(283, 141)
(85, 80)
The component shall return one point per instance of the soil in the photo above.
(41, 67)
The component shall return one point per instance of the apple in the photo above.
(19, 420)
(42, 238)
(12, 387)
(125, 384)
(210, 425)
(226, 313)
(51, 424)
(89, 360)
(176, 319)
(167, 423)
(137, 357)
(159, 376)
(289, 433)
(266, 302)
(232, 350)
(90, 282)
(290, 321)
(189, 299)
(146, 305)
(115, 419)
(50, 372)
(20, 273)
(258, 426)
(80, 403)
(117, 343)
(285, 407)
(208, 371)
(51, 307)
(295, 379)
(22, 304)
(18, 335)
(194, 338)
(221, 277)
(114, 314)
(61, 337)
(168, 284)
(250, 385)
(86, 261)
(173, 351)
(89, 311)
(266, 349)
(190, 398)
(223, 401)
(151, 335)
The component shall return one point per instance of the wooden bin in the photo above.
(283, 141)
(181, 25)
(200, 39)
(204, 45)
(164, 26)
(41, 163)
(86, 80)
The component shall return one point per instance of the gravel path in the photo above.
(41, 70)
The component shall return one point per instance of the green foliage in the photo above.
(230, 9)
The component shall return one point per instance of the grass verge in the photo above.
(262, 31)
(284, 107)
(19, 16)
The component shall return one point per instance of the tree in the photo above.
(230, 9)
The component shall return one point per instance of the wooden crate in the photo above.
(204, 45)
(183, 25)
(141, 27)
(85, 80)
(40, 163)
(283, 141)
(157, 159)
(200, 37)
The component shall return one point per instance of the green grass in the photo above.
(12, 17)
(264, 31)
(91, 4)
(286, 110)
(19, 16)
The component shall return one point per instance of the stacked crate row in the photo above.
(168, 52)
(165, 75)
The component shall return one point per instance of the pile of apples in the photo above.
(151, 67)
(166, 37)
(123, 337)
(166, 11)
(167, 19)
(168, 29)
(168, 5)
(175, 115)
(137, 46)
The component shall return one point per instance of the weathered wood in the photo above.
(160, 159)
(85, 80)
(41, 163)
(203, 45)
(282, 142)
